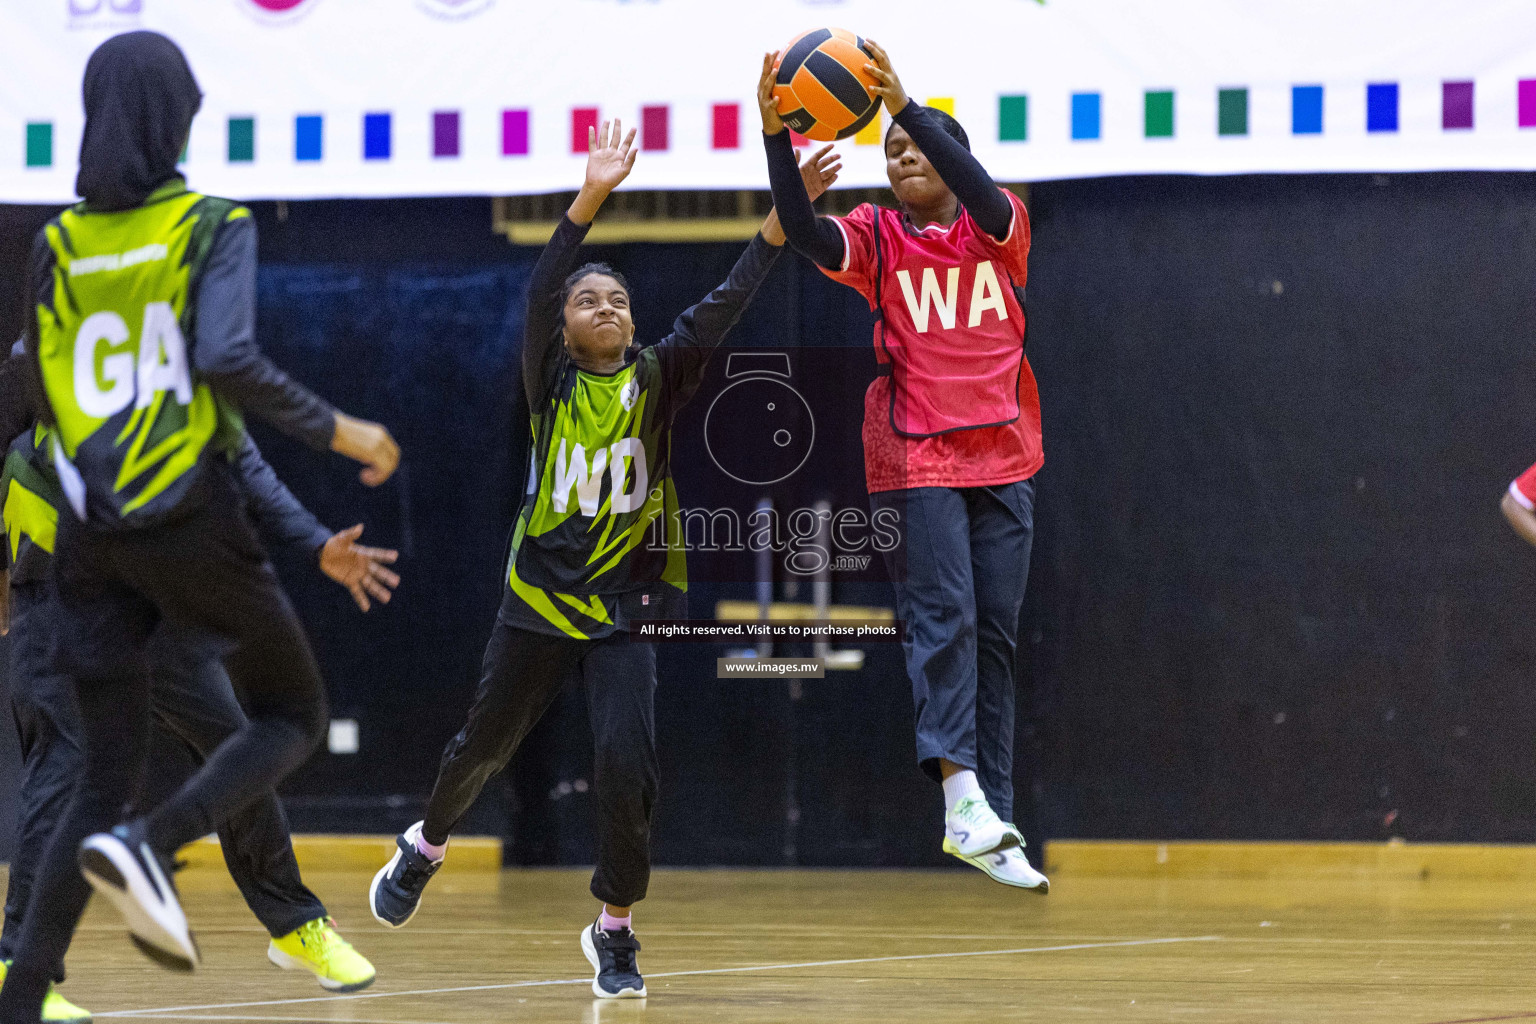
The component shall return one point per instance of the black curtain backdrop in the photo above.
(1272, 595)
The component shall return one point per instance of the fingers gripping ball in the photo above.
(822, 87)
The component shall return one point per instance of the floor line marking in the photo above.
(667, 974)
(1487, 1020)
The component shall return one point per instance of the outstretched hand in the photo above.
(888, 87)
(767, 102)
(819, 170)
(358, 568)
(609, 161)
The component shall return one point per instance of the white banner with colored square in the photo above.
(331, 98)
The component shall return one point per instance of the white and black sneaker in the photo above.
(612, 956)
(973, 828)
(1010, 867)
(394, 895)
(123, 867)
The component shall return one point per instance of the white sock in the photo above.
(959, 786)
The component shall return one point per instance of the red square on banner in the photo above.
(727, 134)
(797, 139)
(653, 128)
(582, 118)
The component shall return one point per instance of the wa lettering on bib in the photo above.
(950, 322)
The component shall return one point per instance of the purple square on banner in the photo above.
(1456, 105)
(1528, 103)
(445, 133)
(514, 133)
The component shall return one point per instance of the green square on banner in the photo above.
(1232, 112)
(40, 144)
(1013, 118)
(242, 140)
(1160, 114)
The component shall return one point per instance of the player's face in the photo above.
(598, 327)
(917, 186)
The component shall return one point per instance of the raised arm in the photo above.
(225, 353)
(815, 238)
(609, 162)
(953, 163)
(695, 334)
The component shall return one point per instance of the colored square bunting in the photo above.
(514, 133)
(944, 103)
(725, 130)
(377, 142)
(241, 140)
(1232, 112)
(445, 133)
(40, 144)
(583, 125)
(654, 134)
(1455, 106)
(1159, 113)
(1527, 102)
(308, 137)
(1306, 110)
(1013, 119)
(1381, 107)
(1085, 116)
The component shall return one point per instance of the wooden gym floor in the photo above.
(890, 946)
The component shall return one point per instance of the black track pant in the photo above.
(522, 673)
(195, 703)
(204, 571)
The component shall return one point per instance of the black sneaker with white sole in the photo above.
(612, 956)
(123, 867)
(395, 893)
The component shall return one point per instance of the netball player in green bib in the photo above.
(584, 564)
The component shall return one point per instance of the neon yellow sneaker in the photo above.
(317, 947)
(56, 1009)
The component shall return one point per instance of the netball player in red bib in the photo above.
(951, 439)
(1520, 505)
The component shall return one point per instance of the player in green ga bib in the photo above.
(583, 562)
(142, 342)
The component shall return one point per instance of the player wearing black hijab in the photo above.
(150, 289)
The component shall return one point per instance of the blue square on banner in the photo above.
(308, 130)
(1381, 107)
(1306, 110)
(1085, 115)
(375, 136)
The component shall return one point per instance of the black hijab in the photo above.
(140, 97)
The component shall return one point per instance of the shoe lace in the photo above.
(621, 946)
(413, 877)
(321, 939)
(974, 812)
